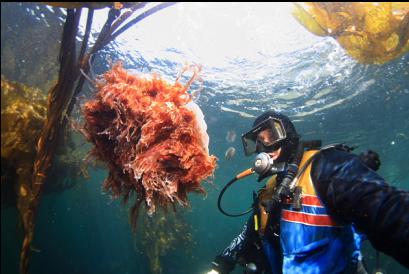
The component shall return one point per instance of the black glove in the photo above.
(223, 265)
(271, 206)
(370, 159)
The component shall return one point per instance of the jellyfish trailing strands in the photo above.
(152, 137)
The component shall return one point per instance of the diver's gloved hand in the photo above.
(271, 206)
(221, 265)
(370, 159)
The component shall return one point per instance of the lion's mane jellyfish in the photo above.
(152, 137)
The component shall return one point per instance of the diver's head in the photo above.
(272, 133)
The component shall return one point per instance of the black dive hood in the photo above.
(264, 166)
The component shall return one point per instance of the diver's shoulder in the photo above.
(333, 155)
(338, 150)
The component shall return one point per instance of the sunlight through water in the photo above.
(250, 54)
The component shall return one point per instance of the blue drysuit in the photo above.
(354, 193)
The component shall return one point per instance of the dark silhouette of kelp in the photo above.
(61, 100)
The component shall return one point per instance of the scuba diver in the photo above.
(317, 195)
(257, 249)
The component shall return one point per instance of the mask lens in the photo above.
(264, 136)
(267, 137)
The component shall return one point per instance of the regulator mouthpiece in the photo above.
(263, 163)
(265, 166)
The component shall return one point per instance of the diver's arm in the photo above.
(225, 262)
(354, 193)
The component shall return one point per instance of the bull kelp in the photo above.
(23, 112)
(372, 33)
(163, 233)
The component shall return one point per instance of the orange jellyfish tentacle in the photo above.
(151, 141)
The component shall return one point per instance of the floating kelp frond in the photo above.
(151, 137)
(23, 111)
(372, 33)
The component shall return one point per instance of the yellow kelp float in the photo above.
(23, 111)
(371, 32)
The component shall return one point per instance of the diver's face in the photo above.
(266, 137)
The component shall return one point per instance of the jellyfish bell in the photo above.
(142, 74)
(231, 136)
(201, 125)
(230, 152)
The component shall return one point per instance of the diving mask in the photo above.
(264, 137)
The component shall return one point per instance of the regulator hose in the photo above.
(240, 176)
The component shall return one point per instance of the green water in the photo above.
(326, 93)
